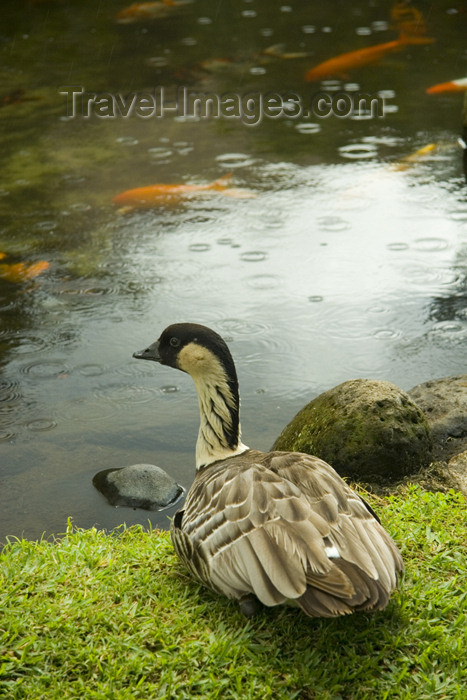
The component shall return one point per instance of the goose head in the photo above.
(202, 353)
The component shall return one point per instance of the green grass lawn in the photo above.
(99, 616)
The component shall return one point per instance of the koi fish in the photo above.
(144, 11)
(277, 50)
(459, 85)
(233, 66)
(20, 272)
(408, 20)
(420, 154)
(155, 195)
(215, 65)
(340, 65)
(15, 97)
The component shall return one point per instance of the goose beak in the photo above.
(150, 353)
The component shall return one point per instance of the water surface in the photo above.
(349, 262)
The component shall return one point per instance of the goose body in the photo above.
(273, 527)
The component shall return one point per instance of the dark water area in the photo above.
(348, 259)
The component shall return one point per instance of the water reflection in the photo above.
(350, 261)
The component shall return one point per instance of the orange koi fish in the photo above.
(408, 20)
(20, 272)
(144, 11)
(214, 65)
(278, 51)
(459, 85)
(155, 195)
(340, 65)
(407, 162)
(15, 97)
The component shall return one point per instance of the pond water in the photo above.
(350, 260)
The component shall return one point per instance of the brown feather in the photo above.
(264, 524)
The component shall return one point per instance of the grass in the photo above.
(98, 616)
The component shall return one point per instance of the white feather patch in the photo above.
(332, 552)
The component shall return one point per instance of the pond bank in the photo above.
(118, 617)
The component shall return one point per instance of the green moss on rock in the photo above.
(367, 429)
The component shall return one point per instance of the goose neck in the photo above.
(219, 434)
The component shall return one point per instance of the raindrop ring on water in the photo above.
(234, 160)
(253, 256)
(39, 425)
(356, 151)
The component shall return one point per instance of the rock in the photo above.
(366, 429)
(457, 468)
(438, 476)
(138, 486)
(444, 403)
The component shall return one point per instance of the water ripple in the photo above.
(430, 276)
(448, 331)
(160, 154)
(234, 160)
(253, 256)
(46, 225)
(264, 281)
(333, 224)
(430, 244)
(358, 151)
(90, 370)
(308, 128)
(29, 343)
(86, 410)
(369, 363)
(169, 389)
(240, 326)
(157, 61)
(125, 395)
(387, 333)
(459, 214)
(10, 392)
(39, 425)
(132, 368)
(350, 324)
(46, 369)
(199, 247)
(127, 141)
(80, 206)
(397, 246)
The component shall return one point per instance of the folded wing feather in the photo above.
(285, 526)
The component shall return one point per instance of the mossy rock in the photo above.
(369, 430)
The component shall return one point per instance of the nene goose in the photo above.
(275, 527)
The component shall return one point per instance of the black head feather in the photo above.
(178, 335)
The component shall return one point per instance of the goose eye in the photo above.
(174, 342)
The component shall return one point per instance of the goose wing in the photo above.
(249, 528)
(357, 539)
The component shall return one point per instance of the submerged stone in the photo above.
(138, 486)
(369, 430)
